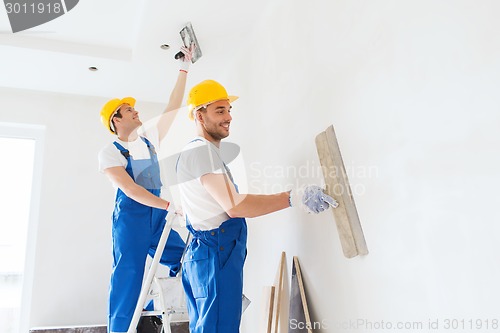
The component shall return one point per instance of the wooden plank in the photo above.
(346, 216)
(269, 307)
(299, 320)
(279, 290)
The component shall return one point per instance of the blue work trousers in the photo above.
(213, 277)
(136, 233)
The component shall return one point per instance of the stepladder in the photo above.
(164, 293)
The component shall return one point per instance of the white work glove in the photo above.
(312, 199)
(186, 60)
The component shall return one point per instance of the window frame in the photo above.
(36, 133)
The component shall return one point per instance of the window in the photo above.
(18, 195)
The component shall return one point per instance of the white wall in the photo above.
(411, 90)
(410, 87)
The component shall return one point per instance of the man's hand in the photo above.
(185, 61)
(312, 199)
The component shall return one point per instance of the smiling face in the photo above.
(129, 120)
(215, 120)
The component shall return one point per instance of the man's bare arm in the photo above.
(175, 102)
(123, 181)
(242, 205)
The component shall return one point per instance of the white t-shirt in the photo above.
(199, 158)
(110, 156)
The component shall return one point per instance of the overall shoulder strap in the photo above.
(122, 150)
(150, 145)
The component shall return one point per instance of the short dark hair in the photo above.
(117, 115)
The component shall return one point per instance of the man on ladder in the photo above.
(131, 163)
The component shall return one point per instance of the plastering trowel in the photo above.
(189, 37)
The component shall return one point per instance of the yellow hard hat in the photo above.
(111, 107)
(204, 93)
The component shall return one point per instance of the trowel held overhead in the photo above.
(189, 37)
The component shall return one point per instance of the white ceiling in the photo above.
(123, 38)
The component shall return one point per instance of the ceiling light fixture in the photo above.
(165, 46)
(93, 69)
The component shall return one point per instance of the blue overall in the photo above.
(212, 276)
(136, 232)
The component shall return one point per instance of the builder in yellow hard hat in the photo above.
(215, 213)
(131, 163)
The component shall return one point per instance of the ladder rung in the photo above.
(152, 313)
(168, 311)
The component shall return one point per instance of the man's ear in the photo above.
(199, 117)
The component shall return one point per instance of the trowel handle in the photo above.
(179, 55)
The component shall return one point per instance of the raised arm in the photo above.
(177, 95)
